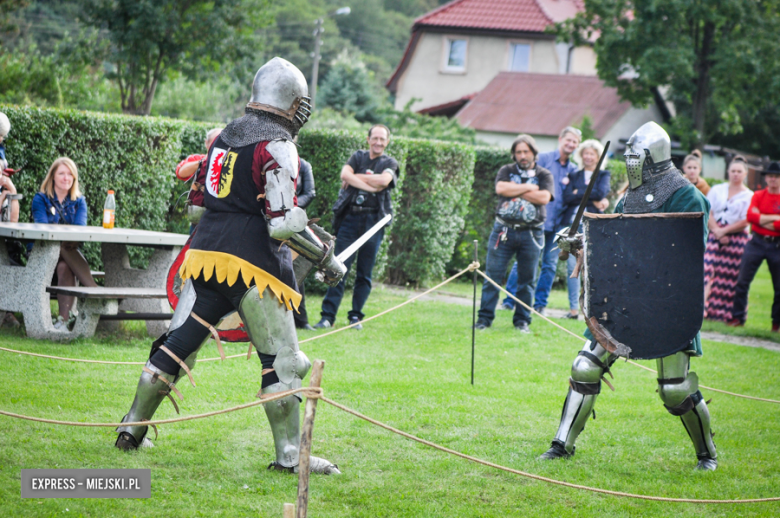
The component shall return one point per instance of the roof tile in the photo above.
(542, 104)
(507, 15)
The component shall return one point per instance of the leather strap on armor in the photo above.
(683, 408)
(586, 389)
(171, 386)
(214, 333)
(180, 362)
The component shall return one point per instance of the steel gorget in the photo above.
(258, 126)
(654, 191)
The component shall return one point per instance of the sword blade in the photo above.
(351, 249)
(575, 224)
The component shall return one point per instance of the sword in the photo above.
(351, 249)
(575, 224)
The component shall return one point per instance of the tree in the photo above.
(717, 58)
(349, 88)
(151, 39)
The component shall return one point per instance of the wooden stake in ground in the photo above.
(305, 450)
(289, 511)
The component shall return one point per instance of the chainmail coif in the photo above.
(258, 126)
(660, 186)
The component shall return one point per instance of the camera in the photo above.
(360, 199)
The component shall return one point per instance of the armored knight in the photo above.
(236, 261)
(655, 186)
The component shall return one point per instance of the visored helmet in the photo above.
(280, 88)
(648, 148)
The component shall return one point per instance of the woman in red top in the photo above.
(764, 216)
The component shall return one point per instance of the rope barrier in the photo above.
(310, 392)
(539, 477)
(318, 393)
(472, 267)
(578, 337)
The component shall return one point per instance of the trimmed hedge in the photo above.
(481, 207)
(431, 212)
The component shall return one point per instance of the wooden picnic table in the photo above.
(24, 289)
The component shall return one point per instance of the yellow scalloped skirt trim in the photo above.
(229, 267)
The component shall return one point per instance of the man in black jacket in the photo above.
(367, 178)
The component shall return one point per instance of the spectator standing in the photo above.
(304, 191)
(524, 189)
(364, 199)
(726, 242)
(764, 218)
(557, 162)
(588, 155)
(60, 202)
(692, 170)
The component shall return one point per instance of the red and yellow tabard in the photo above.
(231, 240)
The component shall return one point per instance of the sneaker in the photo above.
(523, 328)
(323, 324)
(737, 323)
(305, 327)
(572, 317)
(507, 306)
(482, 324)
(60, 324)
(356, 320)
(540, 310)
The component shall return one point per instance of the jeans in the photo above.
(756, 250)
(547, 276)
(573, 285)
(525, 245)
(354, 226)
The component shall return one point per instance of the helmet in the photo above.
(648, 148)
(280, 88)
(5, 125)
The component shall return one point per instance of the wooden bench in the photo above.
(102, 303)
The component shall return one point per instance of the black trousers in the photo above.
(756, 251)
(214, 301)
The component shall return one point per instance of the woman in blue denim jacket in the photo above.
(60, 202)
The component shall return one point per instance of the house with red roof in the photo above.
(493, 66)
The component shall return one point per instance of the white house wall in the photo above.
(486, 56)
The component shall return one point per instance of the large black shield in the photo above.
(644, 279)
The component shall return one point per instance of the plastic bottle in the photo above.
(109, 210)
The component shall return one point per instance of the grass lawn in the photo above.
(410, 369)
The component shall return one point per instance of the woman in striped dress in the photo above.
(726, 242)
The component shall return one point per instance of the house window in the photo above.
(519, 57)
(456, 55)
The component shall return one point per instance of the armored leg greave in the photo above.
(584, 385)
(153, 387)
(679, 390)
